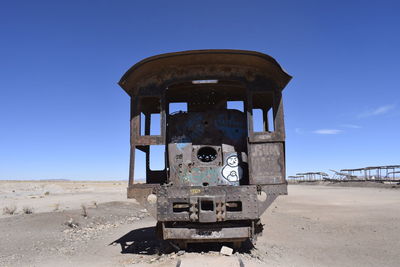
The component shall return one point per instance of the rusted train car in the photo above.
(221, 170)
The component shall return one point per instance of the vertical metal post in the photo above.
(133, 128)
(265, 120)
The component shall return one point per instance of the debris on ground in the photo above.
(180, 253)
(227, 251)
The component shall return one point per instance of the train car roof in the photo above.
(202, 64)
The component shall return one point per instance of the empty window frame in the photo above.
(142, 123)
(150, 116)
(263, 112)
(140, 166)
(238, 105)
(258, 120)
(178, 107)
(157, 157)
(155, 124)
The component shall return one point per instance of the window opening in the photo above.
(142, 123)
(263, 112)
(177, 107)
(258, 120)
(155, 124)
(150, 116)
(238, 105)
(139, 173)
(157, 157)
(270, 120)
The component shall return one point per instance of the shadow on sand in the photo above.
(144, 241)
(140, 241)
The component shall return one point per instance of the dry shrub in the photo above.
(84, 210)
(71, 223)
(10, 210)
(56, 207)
(27, 210)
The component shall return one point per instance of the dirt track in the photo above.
(312, 226)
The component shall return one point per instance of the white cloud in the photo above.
(328, 131)
(377, 111)
(299, 131)
(351, 126)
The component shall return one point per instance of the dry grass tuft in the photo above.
(56, 207)
(71, 223)
(84, 210)
(10, 210)
(27, 210)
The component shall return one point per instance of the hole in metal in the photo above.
(180, 207)
(204, 81)
(207, 205)
(207, 154)
(234, 206)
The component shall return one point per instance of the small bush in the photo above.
(27, 210)
(56, 207)
(71, 223)
(9, 210)
(84, 211)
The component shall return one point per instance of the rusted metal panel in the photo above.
(205, 63)
(219, 196)
(208, 234)
(255, 200)
(267, 163)
(141, 193)
(266, 194)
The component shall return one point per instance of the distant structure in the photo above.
(342, 175)
(296, 178)
(309, 176)
(372, 173)
(389, 172)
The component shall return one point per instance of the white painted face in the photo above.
(233, 161)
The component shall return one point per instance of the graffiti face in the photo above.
(233, 161)
(232, 171)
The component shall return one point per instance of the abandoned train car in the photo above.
(222, 168)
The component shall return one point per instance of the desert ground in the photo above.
(65, 223)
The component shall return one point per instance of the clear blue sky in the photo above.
(62, 114)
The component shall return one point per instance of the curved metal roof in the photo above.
(203, 64)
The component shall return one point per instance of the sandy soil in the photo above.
(315, 225)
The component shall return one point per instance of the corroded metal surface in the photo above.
(218, 195)
(188, 130)
(141, 193)
(209, 64)
(267, 163)
(208, 234)
(220, 169)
